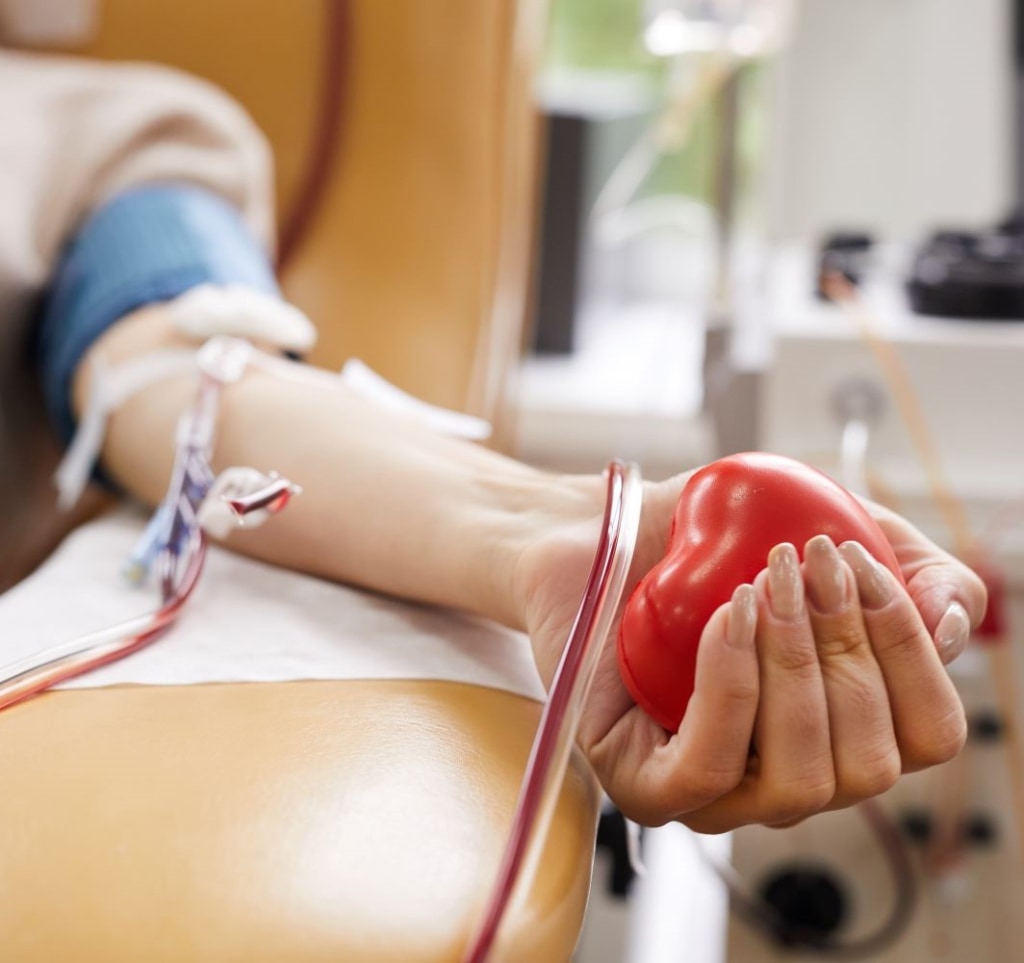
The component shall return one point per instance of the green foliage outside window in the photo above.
(607, 36)
(598, 35)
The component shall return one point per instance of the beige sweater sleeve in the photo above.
(75, 132)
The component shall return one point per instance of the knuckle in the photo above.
(977, 597)
(644, 812)
(711, 784)
(844, 639)
(859, 686)
(796, 659)
(656, 803)
(865, 781)
(949, 744)
(900, 635)
(799, 800)
(818, 797)
(741, 694)
(939, 743)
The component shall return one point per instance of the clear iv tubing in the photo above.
(190, 481)
(32, 675)
(556, 733)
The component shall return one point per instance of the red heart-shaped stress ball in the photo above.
(729, 516)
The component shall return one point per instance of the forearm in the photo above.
(386, 504)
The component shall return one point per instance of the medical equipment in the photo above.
(966, 544)
(847, 252)
(796, 926)
(557, 730)
(175, 539)
(971, 275)
(922, 413)
(200, 313)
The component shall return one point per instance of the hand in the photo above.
(816, 686)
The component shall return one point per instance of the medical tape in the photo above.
(200, 314)
(196, 497)
(109, 389)
(366, 383)
(209, 310)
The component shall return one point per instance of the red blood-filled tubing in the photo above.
(729, 516)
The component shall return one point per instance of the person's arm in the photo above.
(829, 671)
(386, 503)
(76, 134)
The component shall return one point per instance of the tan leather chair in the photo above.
(416, 255)
(309, 821)
(298, 822)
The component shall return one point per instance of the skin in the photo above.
(816, 686)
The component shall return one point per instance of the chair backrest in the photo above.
(411, 128)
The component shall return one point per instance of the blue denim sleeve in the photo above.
(145, 245)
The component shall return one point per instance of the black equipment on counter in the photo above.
(844, 252)
(979, 275)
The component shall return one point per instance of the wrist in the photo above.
(547, 522)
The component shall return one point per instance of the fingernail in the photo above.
(873, 581)
(785, 584)
(952, 633)
(742, 617)
(826, 576)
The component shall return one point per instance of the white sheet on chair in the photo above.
(252, 622)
